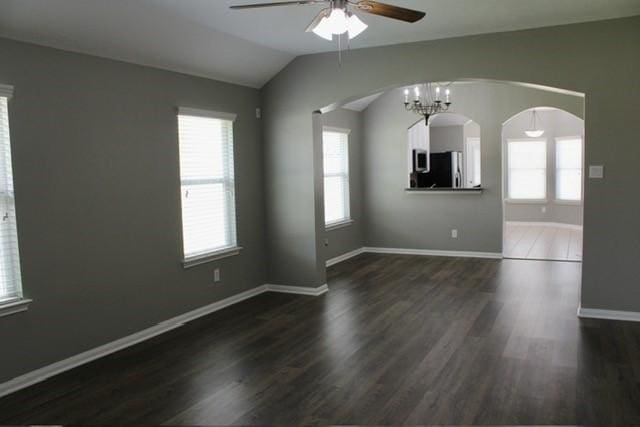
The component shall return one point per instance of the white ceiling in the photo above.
(362, 103)
(206, 38)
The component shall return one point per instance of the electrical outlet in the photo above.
(326, 242)
(258, 113)
(216, 275)
(454, 233)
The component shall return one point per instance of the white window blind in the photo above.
(10, 278)
(569, 169)
(335, 150)
(207, 182)
(527, 169)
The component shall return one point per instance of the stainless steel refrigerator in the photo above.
(445, 171)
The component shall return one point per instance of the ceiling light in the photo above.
(323, 29)
(534, 131)
(337, 18)
(427, 103)
(355, 26)
(337, 21)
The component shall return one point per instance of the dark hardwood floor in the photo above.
(397, 340)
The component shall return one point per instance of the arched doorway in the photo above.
(543, 185)
(455, 223)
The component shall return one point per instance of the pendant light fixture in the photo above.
(534, 131)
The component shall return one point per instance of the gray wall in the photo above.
(572, 57)
(555, 124)
(345, 239)
(95, 157)
(472, 130)
(446, 138)
(396, 219)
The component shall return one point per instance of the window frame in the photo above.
(558, 200)
(541, 200)
(17, 302)
(227, 181)
(346, 176)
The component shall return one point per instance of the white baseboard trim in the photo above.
(431, 252)
(540, 223)
(41, 374)
(213, 307)
(595, 313)
(300, 290)
(344, 257)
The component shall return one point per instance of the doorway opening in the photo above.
(543, 157)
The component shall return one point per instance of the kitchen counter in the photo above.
(443, 190)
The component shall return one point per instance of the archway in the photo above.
(543, 184)
(397, 220)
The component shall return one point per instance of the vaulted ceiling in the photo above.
(206, 38)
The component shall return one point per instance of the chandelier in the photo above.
(428, 101)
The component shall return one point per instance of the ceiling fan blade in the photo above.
(282, 3)
(323, 13)
(389, 11)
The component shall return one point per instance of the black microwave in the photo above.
(420, 160)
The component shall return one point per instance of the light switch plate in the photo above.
(596, 171)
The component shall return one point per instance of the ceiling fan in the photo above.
(338, 17)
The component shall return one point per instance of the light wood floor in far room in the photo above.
(543, 241)
(397, 340)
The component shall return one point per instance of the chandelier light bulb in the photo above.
(417, 92)
(437, 93)
(447, 93)
(406, 96)
(337, 21)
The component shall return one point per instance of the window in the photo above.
(207, 184)
(527, 169)
(335, 151)
(569, 169)
(10, 278)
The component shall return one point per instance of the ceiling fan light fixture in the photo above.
(337, 18)
(355, 26)
(337, 21)
(323, 29)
